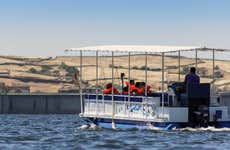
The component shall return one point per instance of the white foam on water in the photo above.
(85, 126)
(91, 126)
(213, 129)
(151, 127)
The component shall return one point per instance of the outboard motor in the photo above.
(198, 100)
(201, 116)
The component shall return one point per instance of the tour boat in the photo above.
(198, 106)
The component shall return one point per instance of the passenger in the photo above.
(149, 92)
(109, 89)
(140, 91)
(125, 91)
(140, 88)
(131, 85)
(192, 77)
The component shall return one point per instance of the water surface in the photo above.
(63, 132)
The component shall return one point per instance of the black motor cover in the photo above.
(198, 103)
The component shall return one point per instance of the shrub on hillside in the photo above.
(33, 70)
(45, 69)
(135, 68)
(63, 66)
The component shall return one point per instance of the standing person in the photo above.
(192, 77)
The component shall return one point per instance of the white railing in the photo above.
(145, 108)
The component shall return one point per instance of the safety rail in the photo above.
(136, 107)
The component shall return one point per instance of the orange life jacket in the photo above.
(109, 91)
(140, 91)
(132, 87)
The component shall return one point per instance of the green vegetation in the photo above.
(63, 66)
(185, 70)
(217, 67)
(136, 68)
(218, 74)
(203, 72)
(33, 70)
(56, 73)
(46, 70)
(172, 67)
(71, 70)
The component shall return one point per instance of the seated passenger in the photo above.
(141, 88)
(109, 89)
(125, 91)
(149, 92)
(131, 86)
(140, 91)
(192, 77)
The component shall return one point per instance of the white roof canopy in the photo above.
(135, 48)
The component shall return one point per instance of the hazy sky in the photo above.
(47, 27)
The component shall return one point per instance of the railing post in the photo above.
(196, 58)
(96, 82)
(129, 92)
(88, 103)
(213, 72)
(80, 86)
(179, 65)
(146, 72)
(103, 103)
(162, 84)
(113, 104)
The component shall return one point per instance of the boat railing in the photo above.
(122, 106)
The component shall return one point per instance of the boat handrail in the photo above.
(132, 96)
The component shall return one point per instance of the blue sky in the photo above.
(47, 27)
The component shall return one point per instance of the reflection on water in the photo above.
(64, 132)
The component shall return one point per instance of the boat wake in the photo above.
(153, 128)
(213, 129)
(210, 128)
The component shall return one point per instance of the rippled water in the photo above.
(63, 132)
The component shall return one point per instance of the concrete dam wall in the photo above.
(63, 103)
(39, 103)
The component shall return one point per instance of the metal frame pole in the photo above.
(162, 84)
(129, 74)
(196, 58)
(179, 65)
(213, 71)
(81, 98)
(146, 72)
(97, 82)
(113, 104)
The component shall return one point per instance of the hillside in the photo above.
(52, 74)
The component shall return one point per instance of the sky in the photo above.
(48, 27)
